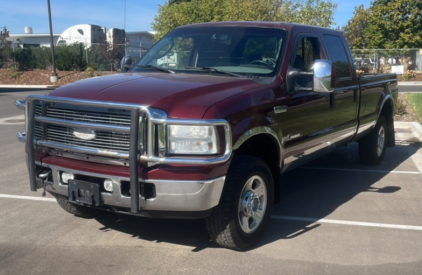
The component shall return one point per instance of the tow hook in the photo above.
(43, 175)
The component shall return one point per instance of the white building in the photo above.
(137, 42)
(29, 39)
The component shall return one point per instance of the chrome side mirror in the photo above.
(324, 76)
(126, 63)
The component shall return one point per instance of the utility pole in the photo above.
(53, 77)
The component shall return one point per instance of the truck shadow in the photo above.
(320, 187)
(313, 191)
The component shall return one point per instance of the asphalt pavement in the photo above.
(337, 216)
(416, 88)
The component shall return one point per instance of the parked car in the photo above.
(209, 136)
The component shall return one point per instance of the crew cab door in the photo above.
(344, 101)
(305, 124)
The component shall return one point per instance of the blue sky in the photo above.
(18, 14)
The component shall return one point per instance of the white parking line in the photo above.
(354, 223)
(20, 119)
(365, 170)
(26, 198)
(302, 219)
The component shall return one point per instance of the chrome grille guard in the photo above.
(147, 133)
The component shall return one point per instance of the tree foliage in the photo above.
(4, 43)
(395, 24)
(176, 13)
(386, 24)
(354, 31)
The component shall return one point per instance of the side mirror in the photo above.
(126, 63)
(324, 79)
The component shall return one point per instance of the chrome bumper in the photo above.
(171, 195)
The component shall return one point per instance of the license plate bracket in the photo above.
(84, 192)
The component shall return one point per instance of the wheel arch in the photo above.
(262, 142)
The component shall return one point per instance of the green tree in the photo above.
(395, 24)
(354, 31)
(176, 13)
(171, 2)
(4, 43)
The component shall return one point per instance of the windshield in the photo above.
(234, 51)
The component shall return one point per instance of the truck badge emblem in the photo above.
(84, 133)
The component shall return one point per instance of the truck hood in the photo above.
(179, 95)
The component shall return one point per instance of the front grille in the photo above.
(104, 140)
(89, 116)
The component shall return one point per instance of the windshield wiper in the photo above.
(155, 68)
(211, 69)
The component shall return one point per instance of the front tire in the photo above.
(75, 209)
(243, 215)
(372, 147)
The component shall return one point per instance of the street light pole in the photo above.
(53, 77)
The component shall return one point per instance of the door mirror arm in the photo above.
(126, 63)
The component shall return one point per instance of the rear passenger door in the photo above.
(344, 101)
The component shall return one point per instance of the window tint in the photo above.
(307, 52)
(337, 55)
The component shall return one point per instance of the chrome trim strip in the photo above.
(85, 102)
(257, 131)
(78, 149)
(90, 158)
(78, 124)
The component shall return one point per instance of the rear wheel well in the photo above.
(266, 148)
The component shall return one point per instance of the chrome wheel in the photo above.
(252, 204)
(380, 141)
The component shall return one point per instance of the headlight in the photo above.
(186, 139)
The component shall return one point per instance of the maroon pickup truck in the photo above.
(203, 125)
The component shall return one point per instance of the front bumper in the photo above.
(170, 195)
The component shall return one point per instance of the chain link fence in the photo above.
(387, 60)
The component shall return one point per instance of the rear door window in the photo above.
(337, 55)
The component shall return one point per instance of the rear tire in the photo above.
(372, 147)
(75, 209)
(243, 215)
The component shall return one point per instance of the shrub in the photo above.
(70, 58)
(13, 73)
(409, 75)
(42, 57)
(90, 72)
(24, 59)
(400, 107)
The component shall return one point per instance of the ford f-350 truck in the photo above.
(209, 135)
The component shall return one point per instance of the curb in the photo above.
(28, 86)
(409, 83)
(408, 131)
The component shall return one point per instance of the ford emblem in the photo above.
(84, 133)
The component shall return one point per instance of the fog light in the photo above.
(66, 177)
(108, 185)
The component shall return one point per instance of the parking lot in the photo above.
(336, 217)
